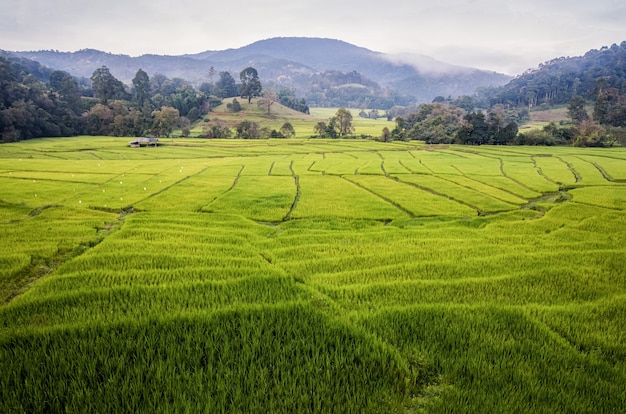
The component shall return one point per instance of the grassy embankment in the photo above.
(311, 276)
(303, 124)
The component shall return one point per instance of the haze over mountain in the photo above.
(289, 62)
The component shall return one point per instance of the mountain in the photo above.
(288, 62)
(559, 80)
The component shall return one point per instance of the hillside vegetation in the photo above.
(312, 66)
(311, 276)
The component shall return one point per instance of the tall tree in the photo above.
(474, 130)
(66, 86)
(287, 130)
(165, 120)
(106, 86)
(250, 83)
(343, 122)
(141, 88)
(225, 87)
(576, 109)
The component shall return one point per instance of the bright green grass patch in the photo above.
(267, 198)
(415, 165)
(585, 171)
(439, 163)
(489, 190)
(467, 196)
(329, 196)
(339, 164)
(594, 329)
(555, 169)
(614, 168)
(373, 167)
(411, 199)
(38, 193)
(525, 173)
(611, 197)
(192, 193)
(71, 177)
(12, 212)
(118, 303)
(304, 165)
(506, 184)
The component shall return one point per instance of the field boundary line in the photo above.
(577, 177)
(40, 267)
(504, 174)
(540, 172)
(480, 182)
(235, 181)
(385, 199)
(428, 190)
(296, 180)
(164, 189)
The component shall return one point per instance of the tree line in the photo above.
(600, 122)
(38, 102)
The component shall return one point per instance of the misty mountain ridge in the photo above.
(294, 62)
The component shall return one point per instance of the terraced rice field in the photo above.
(311, 276)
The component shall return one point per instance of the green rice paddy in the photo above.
(311, 276)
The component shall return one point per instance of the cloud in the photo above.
(489, 34)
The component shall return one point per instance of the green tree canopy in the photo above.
(141, 88)
(250, 83)
(343, 122)
(287, 130)
(165, 120)
(106, 86)
(225, 87)
(576, 109)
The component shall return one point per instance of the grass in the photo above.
(311, 276)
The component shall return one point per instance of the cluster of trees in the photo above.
(156, 106)
(604, 127)
(39, 102)
(558, 81)
(29, 108)
(444, 123)
(337, 126)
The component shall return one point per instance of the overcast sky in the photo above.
(488, 34)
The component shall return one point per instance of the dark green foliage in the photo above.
(559, 80)
(481, 130)
(287, 130)
(287, 97)
(235, 106)
(106, 87)
(250, 84)
(475, 131)
(29, 109)
(141, 88)
(225, 87)
(248, 130)
(610, 107)
(576, 109)
(435, 123)
(218, 131)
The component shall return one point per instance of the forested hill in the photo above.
(298, 63)
(557, 81)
